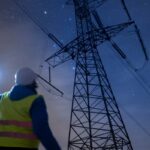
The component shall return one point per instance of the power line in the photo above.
(140, 80)
(23, 8)
(135, 121)
(135, 74)
(35, 21)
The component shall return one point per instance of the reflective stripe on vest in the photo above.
(18, 135)
(15, 134)
(16, 123)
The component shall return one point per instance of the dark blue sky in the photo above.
(22, 43)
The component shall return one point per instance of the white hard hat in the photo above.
(25, 76)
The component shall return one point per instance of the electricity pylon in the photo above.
(96, 122)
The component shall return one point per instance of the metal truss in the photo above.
(96, 122)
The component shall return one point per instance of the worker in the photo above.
(23, 116)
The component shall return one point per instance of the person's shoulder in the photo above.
(40, 96)
(39, 100)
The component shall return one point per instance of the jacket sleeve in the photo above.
(40, 125)
(1, 96)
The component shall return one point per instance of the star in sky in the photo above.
(63, 6)
(70, 19)
(45, 12)
(55, 46)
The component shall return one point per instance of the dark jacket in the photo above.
(38, 114)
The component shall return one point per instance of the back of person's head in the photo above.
(25, 76)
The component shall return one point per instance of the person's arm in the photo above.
(40, 125)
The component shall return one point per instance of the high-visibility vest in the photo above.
(15, 123)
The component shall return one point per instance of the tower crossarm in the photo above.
(111, 31)
(66, 53)
(70, 50)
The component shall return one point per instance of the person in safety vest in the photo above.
(23, 116)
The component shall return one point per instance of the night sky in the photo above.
(22, 43)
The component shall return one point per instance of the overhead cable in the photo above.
(115, 45)
(141, 81)
(23, 8)
(137, 32)
(135, 121)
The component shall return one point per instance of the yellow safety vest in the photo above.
(15, 123)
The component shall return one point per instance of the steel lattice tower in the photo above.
(96, 122)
